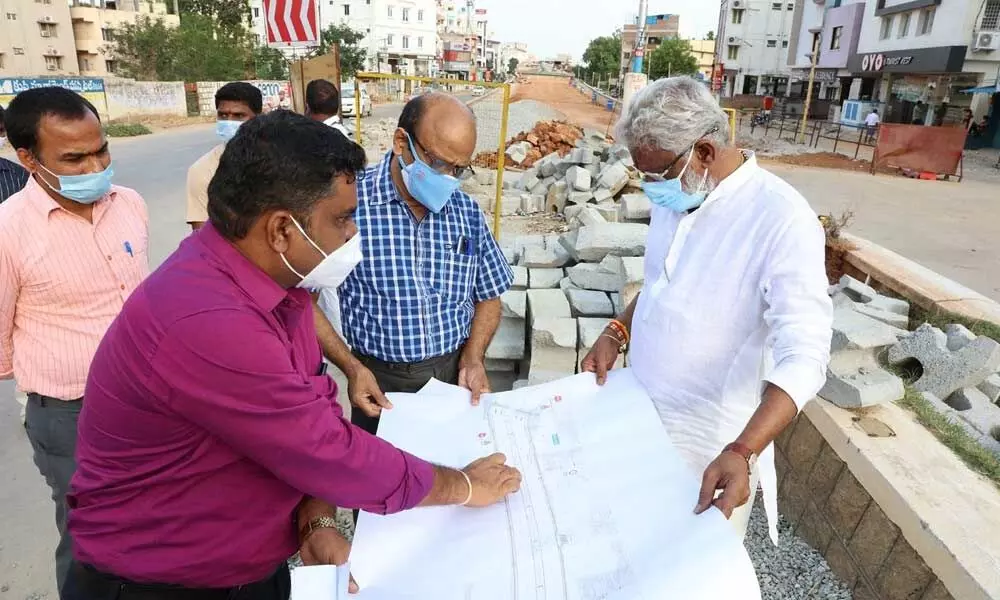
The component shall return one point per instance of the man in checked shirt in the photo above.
(425, 301)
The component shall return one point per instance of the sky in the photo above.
(550, 27)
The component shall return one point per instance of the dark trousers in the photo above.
(405, 378)
(51, 427)
(87, 583)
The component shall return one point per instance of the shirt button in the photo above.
(123, 286)
(109, 257)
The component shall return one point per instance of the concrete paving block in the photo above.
(548, 304)
(494, 365)
(555, 199)
(975, 408)
(549, 254)
(578, 178)
(946, 371)
(528, 180)
(985, 440)
(614, 178)
(571, 212)
(544, 279)
(587, 216)
(532, 203)
(595, 172)
(591, 330)
(580, 198)
(566, 284)
(553, 349)
(595, 242)
(486, 178)
(589, 303)
(514, 304)
(509, 341)
(547, 166)
(509, 252)
(856, 290)
(635, 207)
(609, 210)
(590, 276)
(631, 268)
(511, 180)
(602, 196)
(991, 387)
(581, 156)
(518, 152)
(855, 380)
(520, 278)
(543, 185)
(854, 331)
(888, 317)
(616, 301)
(959, 336)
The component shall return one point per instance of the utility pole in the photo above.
(809, 92)
(640, 39)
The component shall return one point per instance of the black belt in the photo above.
(411, 367)
(96, 585)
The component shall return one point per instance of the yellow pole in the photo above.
(357, 110)
(809, 92)
(501, 159)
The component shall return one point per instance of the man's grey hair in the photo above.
(671, 114)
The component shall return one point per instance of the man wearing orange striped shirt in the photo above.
(72, 249)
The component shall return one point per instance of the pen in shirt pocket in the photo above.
(128, 248)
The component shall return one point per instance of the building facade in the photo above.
(704, 53)
(94, 22)
(400, 36)
(753, 44)
(658, 28)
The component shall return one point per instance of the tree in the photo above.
(710, 36)
(142, 50)
(232, 16)
(269, 63)
(512, 65)
(673, 57)
(603, 55)
(352, 56)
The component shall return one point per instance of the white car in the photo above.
(478, 91)
(347, 103)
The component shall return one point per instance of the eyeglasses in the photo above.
(653, 177)
(442, 166)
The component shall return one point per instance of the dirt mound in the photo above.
(544, 139)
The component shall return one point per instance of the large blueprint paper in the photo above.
(605, 510)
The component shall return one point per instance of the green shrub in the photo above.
(126, 129)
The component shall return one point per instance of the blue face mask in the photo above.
(670, 193)
(427, 186)
(82, 189)
(226, 129)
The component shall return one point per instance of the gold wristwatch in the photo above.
(317, 523)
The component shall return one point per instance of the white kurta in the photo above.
(735, 295)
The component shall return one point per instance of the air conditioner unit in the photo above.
(738, 4)
(46, 19)
(986, 41)
(46, 33)
(51, 67)
(53, 51)
(735, 40)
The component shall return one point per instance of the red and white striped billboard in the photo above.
(293, 22)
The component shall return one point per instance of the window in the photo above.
(53, 63)
(835, 35)
(47, 30)
(11, 16)
(420, 42)
(406, 15)
(791, 6)
(734, 52)
(420, 15)
(390, 11)
(737, 16)
(347, 10)
(106, 34)
(886, 28)
(772, 43)
(111, 66)
(904, 25)
(256, 13)
(389, 40)
(777, 6)
(18, 51)
(406, 41)
(84, 64)
(1, 60)
(991, 16)
(926, 21)
(784, 43)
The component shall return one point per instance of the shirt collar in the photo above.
(40, 198)
(728, 186)
(258, 285)
(9, 165)
(332, 120)
(385, 188)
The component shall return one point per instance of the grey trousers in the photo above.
(51, 427)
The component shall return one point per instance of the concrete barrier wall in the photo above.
(269, 89)
(127, 98)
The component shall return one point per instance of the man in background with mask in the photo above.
(72, 250)
(12, 175)
(323, 104)
(211, 446)
(425, 301)
(235, 104)
(726, 238)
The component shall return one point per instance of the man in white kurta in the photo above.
(730, 334)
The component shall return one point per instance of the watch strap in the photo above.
(742, 450)
(325, 522)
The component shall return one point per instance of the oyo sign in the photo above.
(876, 62)
(292, 21)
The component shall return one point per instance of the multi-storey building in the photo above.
(658, 28)
(36, 38)
(94, 22)
(704, 53)
(400, 35)
(752, 46)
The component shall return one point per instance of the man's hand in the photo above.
(472, 376)
(364, 392)
(602, 357)
(492, 480)
(327, 547)
(729, 473)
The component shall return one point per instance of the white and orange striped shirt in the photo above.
(63, 280)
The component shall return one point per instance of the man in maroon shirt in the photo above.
(211, 447)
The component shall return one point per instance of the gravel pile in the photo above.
(523, 116)
(792, 570)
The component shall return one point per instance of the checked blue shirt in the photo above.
(412, 298)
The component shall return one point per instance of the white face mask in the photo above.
(334, 268)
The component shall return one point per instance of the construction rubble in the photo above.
(566, 287)
(528, 147)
